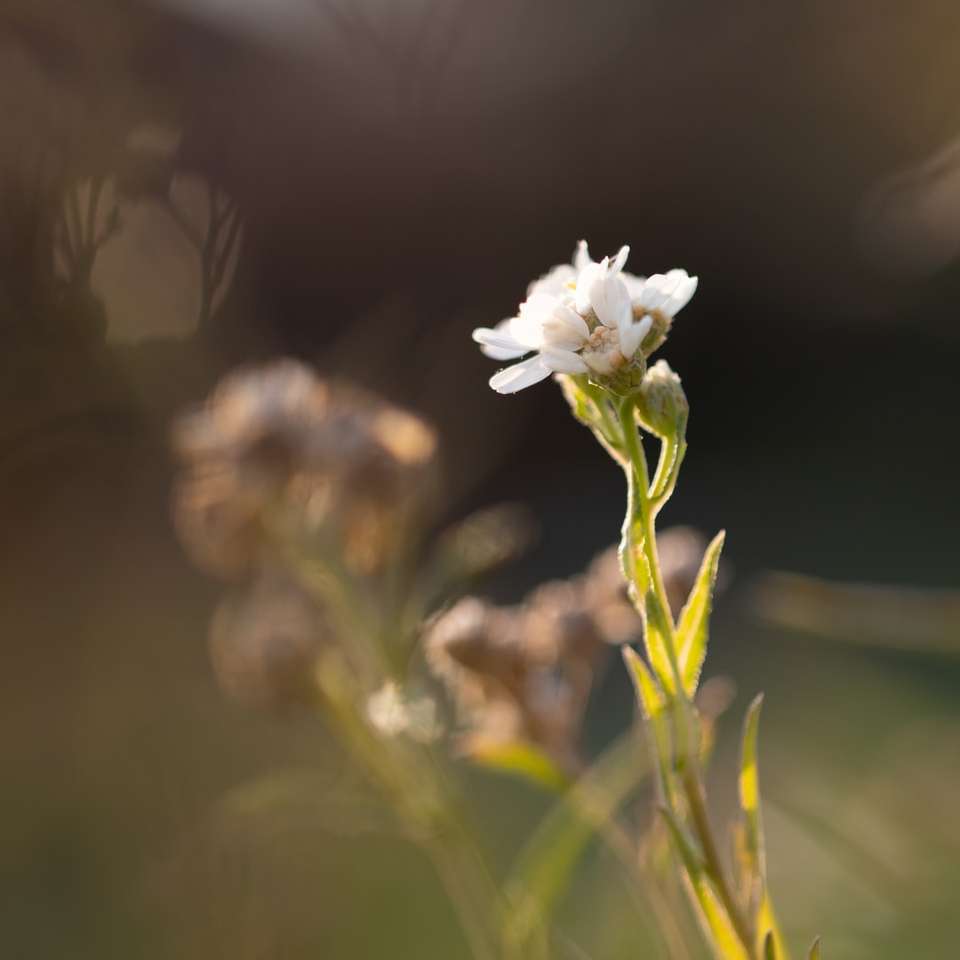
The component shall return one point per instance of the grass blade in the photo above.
(543, 869)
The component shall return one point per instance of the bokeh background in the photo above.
(402, 169)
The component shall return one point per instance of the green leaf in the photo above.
(653, 705)
(718, 928)
(753, 855)
(692, 629)
(633, 562)
(544, 867)
(815, 952)
(769, 947)
(750, 797)
(650, 696)
(520, 759)
(655, 638)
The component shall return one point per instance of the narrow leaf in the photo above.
(650, 696)
(815, 952)
(693, 627)
(655, 638)
(653, 705)
(769, 947)
(544, 867)
(753, 856)
(754, 868)
(716, 923)
(519, 758)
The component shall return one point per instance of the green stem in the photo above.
(693, 790)
(643, 503)
(638, 509)
(407, 775)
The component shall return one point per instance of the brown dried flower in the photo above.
(279, 438)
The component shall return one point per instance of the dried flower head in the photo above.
(279, 439)
(524, 673)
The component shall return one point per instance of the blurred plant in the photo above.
(314, 496)
(871, 614)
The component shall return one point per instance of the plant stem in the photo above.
(693, 790)
(643, 503)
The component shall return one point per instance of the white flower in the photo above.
(391, 715)
(581, 317)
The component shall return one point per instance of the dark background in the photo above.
(403, 170)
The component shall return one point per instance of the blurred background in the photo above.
(188, 185)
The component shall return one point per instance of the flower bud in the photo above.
(661, 403)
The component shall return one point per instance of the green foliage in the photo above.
(815, 952)
(769, 947)
(654, 706)
(750, 803)
(544, 867)
(719, 928)
(692, 628)
(520, 759)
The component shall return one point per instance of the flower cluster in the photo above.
(278, 439)
(589, 318)
(523, 674)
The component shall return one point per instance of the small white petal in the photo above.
(554, 282)
(520, 375)
(565, 328)
(655, 292)
(563, 361)
(586, 279)
(620, 259)
(632, 336)
(611, 302)
(499, 353)
(681, 296)
(527, 326)
(505, 346)
(581, 257)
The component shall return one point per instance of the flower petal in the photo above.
(620, 259)
(520, 375)
(680, 296)
(563, 361)
(565, 328)
(554, 281)
(611, 302)
(581, 257)
(632, 336)
(586, 280)
(660, 288)
(498, 344)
